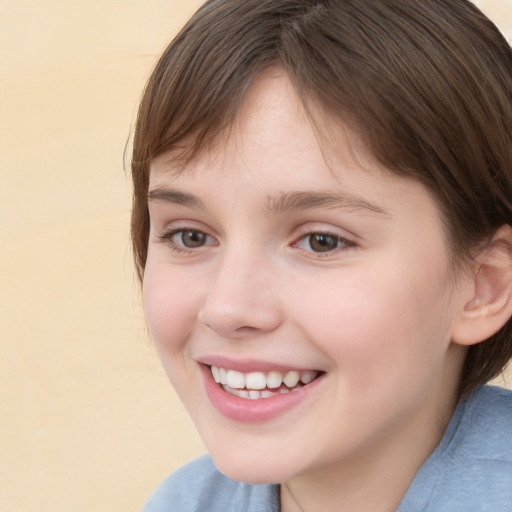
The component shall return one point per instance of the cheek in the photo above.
(170, 307)
(379, 324)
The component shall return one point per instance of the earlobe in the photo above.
(490, 307)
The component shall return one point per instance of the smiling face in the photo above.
(272, 257)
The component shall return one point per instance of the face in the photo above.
(314, 285)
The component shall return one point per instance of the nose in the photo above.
(241, 299)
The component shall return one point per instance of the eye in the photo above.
(322, 242)
(190, 238)
(187, 239)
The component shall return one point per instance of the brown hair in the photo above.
(426, 84)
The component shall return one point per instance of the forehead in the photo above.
(271, 122)
(275, 146)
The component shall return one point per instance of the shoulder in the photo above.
(471, 469)
(184, 485)
(477, 464)
(200, 486)
(485, 431)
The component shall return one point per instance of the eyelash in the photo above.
(343, 243)
(167, 238)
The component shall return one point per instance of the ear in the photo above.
(490, 307)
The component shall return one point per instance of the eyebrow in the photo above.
(282, 202)
(287, 201)
(176, 197)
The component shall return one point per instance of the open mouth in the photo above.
(257, 385)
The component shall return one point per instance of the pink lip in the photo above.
(247, 365)
(253, 411)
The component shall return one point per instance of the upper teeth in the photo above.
(260, 380)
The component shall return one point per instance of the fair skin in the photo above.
(272, 252)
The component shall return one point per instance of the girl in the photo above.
(321, 223)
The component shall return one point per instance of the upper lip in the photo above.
(250, 365)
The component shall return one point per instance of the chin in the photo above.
(259, 476)
(251, 471)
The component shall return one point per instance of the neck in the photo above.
(379, 476)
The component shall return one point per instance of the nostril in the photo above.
(246, 329)
(231, 312)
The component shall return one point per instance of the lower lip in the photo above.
(253, 411)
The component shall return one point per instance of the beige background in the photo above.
(88, 421)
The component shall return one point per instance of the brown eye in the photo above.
(322, 242)
(186, 240)
(190, 238)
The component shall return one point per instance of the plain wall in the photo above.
(88, 421)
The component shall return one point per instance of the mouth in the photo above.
(262, 385)
(254, 391)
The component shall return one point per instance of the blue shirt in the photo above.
(469, 471)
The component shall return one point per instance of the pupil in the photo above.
(193, 238)
(323, 243)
